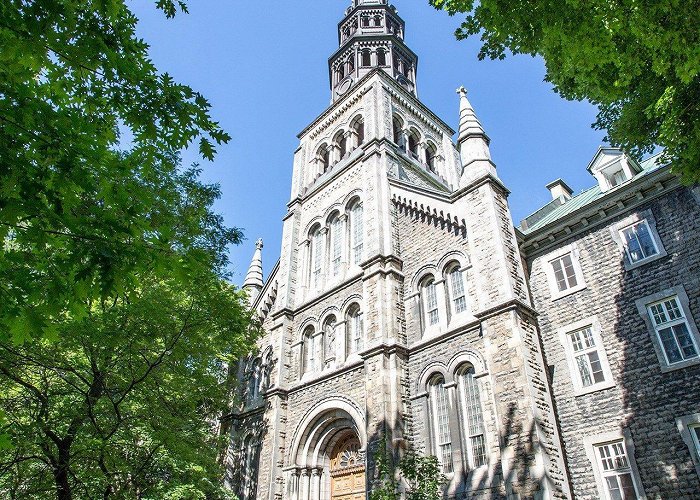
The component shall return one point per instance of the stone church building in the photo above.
(554, 359)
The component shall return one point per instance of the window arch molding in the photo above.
(358, 130)
(468, 357)
(350, 198)
(421, 274)
(355, 298)
(428, 373)
(308, 322)
(327, 313)
(398, 126)
(450, 257)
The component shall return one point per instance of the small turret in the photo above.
(473, 142)
(253, 283)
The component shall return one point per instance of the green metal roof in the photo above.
(552, 211)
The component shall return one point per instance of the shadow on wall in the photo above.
(483, 483)
(653, 396)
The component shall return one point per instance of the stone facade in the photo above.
(407, 311)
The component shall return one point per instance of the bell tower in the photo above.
(371, 35)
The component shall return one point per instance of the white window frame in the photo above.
(643, 305)
(357, 236)
(336, 233)
(578, 272)
(428, 326)
(433, 388)
(564, 338)
(591, 444)
(687, 426)
(451, 291)
(465, 418)
(643, 217)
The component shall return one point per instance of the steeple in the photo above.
(253, 283)
(472, 141)
(371, 36)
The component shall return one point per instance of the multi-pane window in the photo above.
(459, 299)
(638, 241)
(695, 434)
(316, 258)
(473, 417)
(432, 314)
(616, 471)
(441, 423)
(673, 331)
(586, 357)
(248, 484)
(355, 330)
(336, 244)
(564, 272)
(357, 232)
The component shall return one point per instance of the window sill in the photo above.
(629, 266)
(594, 388)
(666, 368)
(570, 291)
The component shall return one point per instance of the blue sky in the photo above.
(263, 66)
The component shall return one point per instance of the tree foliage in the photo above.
(639, 62)
(419, 477)
(123, 403)
(91, 193)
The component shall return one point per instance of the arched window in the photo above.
(329, 339)
(472, 416)
(356, 232)
(430, 153)
(311, 348)
(346, 33)
(365, 21)
(350, 64)
(247, 488)
(316, 255)
(341, 71)
(323, 157)
(366, 58)
(397, 129)
(342, 143)
(336, 243)
(406, 69)
(440, 422)
(359, 128)
(413, 141)
(378, 20)
(455, 285)
(430, 302)
(354, 329)
(381, 57)
(254, 375)
(397, 62)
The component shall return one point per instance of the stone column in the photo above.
(304, 487)
(316, 483)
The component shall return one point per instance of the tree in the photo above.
(419, 476)
(637, 61)
(122, 403)
(90, 183)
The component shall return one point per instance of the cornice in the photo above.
(432, 214)
(614, 203)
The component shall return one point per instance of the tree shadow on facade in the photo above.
(497, 480)
(654, 395)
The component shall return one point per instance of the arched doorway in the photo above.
(347, 470)
(327, 459)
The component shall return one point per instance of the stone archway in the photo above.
(327, 460)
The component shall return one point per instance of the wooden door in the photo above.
(348, 471)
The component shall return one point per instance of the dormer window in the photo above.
(612, 168)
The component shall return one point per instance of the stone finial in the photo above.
(253, 283)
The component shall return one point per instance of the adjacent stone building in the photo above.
(554, 360)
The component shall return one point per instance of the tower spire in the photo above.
(253, 283)
(472, 141)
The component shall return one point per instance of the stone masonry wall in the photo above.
(644, 400)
